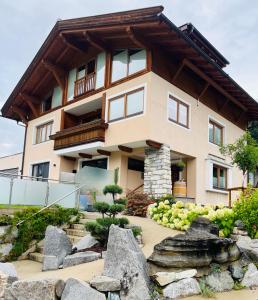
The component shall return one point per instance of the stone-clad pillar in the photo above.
(157, 171)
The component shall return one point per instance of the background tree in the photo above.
(253, 129)
(112, 189)
(243, 153)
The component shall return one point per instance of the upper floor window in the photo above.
(127, 62)
(178, 112)
(43, 132)
(215, 133)
(219, 177)
(52, 100)
(126, 105)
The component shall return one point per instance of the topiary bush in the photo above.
(100, 228)
(137, 204)
(113, 189)
(246, 210)
(35, 226)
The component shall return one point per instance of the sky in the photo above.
(231, 26)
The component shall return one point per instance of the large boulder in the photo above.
(8, 269)
(196, 248)
(47, 289)
(85, 242)
(105, 284)
(77, 289)
(220, 281)
(125, 261)
(183, 288)
(248, 247)
(236, 271)
(251, 276)
(5, 250)
(80, 258)
(164, 278)
(56, 244)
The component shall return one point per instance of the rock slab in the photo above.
(251, 276)
(183, 288)
(9, 270)
(248, 247)
(125, 261)
(105, 284)
(87, 241)
(47, 289)
(220, 281)
(56, 244)
(77, 290)
(50, 262)
(164, 278)
(80, 258)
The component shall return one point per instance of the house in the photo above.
(11, 165)
(131, 90)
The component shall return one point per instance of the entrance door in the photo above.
(174, 175)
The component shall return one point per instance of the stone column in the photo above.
(157, 171)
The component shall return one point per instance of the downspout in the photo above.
(23, 153)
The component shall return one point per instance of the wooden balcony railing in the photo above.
(80, 134)
(84, 85)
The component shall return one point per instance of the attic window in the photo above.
(46, 104)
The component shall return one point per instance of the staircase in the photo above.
(75, 232)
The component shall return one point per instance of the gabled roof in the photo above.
(149, 27)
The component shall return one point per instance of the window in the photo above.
(127, 62)
(86, 69)
(40, 170)
(43, 132)
(219, 177)
(53, 99)
(46, 104)
(178, 112)
(95, 163)
(135, 165)
(126, 105)
(215, 133)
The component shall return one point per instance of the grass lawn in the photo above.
(18, 206)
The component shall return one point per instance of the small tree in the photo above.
(243, 153)
(112, 189)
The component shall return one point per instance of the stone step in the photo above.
(76, 232)
(74, 239)
(36, 256)
(84, 221)
(40, 249)
(78, 226)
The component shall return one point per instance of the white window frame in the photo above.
(34, 133)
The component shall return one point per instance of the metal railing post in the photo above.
(11, 192)
(47, 194)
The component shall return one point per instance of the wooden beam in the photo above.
(213, 83)
(58, 72)
(136, 40)
(71, 44)
(32, 108)
(224, 105)
(20, 113)
(178, 72)
(103, 106)
(153, 144)
(104, 152)
(31, 98)
(85, 155)
(95, 42)
(204, 90)
(69, 158)
(125, 148)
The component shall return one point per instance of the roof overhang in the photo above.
(147, 27)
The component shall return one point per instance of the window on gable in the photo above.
(215, 133)
(178, 112)
(46, 104)
(127, 62)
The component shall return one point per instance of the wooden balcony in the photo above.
(84, 85)
(80, 134)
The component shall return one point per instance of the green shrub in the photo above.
(5, 220)
(109, 210)
(101, 207)
(246, 210)
(35, 226)
(112, 189)
(121, 201)
(100, 228)
(171, 199)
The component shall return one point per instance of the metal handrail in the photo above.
(34, 177)
(46, 207)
